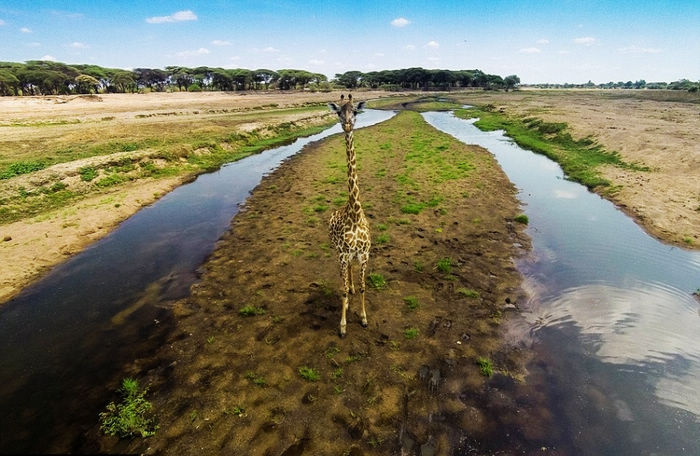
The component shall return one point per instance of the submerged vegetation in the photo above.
(579, 158)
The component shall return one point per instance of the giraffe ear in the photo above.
(334, 107)
(360, 106)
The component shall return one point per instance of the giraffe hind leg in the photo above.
(363, 268)
(344, 273)
(352, 282)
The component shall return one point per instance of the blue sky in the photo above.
(540, 41)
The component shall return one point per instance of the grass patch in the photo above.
(23, 167)
(383, 238)
(579, 158)
(130, 417)
(485, 367)
(309, 374)
(468, 293)
(444, 265)
(257, 380)
(522, 218)
(377, 280)
(250, 311)
(87, 173)
(411, 333)
(411, 302)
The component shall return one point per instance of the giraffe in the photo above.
(348, 226)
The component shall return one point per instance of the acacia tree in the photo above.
(511, 82)
(264, 76)
(86, 84)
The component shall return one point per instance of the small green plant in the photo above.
(468, 293)
(377, 280)
(418, 266)
(210, 340)
(382, 227)
(237, 410)
(309, 374)
(249, 311)
(130, 417)
(258, 380)
(688, 240)
(411, 333)
(382, 239)
(411, 302)
(444, 265)
(332, 351)
(522, 218)
(338, 373)
(412, 208)
(485, 367)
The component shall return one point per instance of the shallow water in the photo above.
(611, 319)
(65, 339)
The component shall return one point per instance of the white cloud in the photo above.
(197, 52)
(564, 52)
(530, 50)
(316, 62)
(633, 49)
(400, 22)
(433, 59)
(78, 45)
(543, 41)
(586, 41)
(48, 57)
(268, 50)
(185, 15)
(432, 44)
(221, 43)
(410, 47)
(235, 58)
(25, 30)
(379, 54)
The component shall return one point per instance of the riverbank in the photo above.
(75, 167)
(255, 364)
(654, 130)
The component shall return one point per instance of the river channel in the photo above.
(611, 319)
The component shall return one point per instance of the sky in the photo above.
(540, 41)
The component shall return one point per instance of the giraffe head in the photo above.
(347, 112)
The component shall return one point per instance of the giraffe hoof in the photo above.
(341, 334)
(365, 324)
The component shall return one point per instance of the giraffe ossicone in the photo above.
(348, 226)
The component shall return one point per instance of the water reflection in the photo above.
(611, 309)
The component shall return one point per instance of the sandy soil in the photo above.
(644, 128)
(229, 383)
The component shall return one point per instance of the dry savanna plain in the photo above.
(253, 364)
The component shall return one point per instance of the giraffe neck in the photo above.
(353, 189)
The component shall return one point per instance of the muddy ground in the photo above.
(229, 383)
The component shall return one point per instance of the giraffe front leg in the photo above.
(344, 273)
(363, 268)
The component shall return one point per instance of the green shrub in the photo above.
(444, 265)
(485, 367)
(249, 311)
(522, 218)
(87, 173)
(131, 417)
(377, 280)
(194, 88)
(309, 374)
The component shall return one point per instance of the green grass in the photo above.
(411, 302)
(485, 367)
(132, 417)
(383, 238)
(22, 167)
(522, 218)
(579, 158)
(444, 265)
(377, 280)
(468, 293)
(250, 311)
(87, 173)
(309, 374)
(411, 333)
(257, 380)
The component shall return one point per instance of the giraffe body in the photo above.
(348, 226)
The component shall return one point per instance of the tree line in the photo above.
(681, 84)
(43, 77)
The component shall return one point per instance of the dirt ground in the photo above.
(409, 384)
(656, 129)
